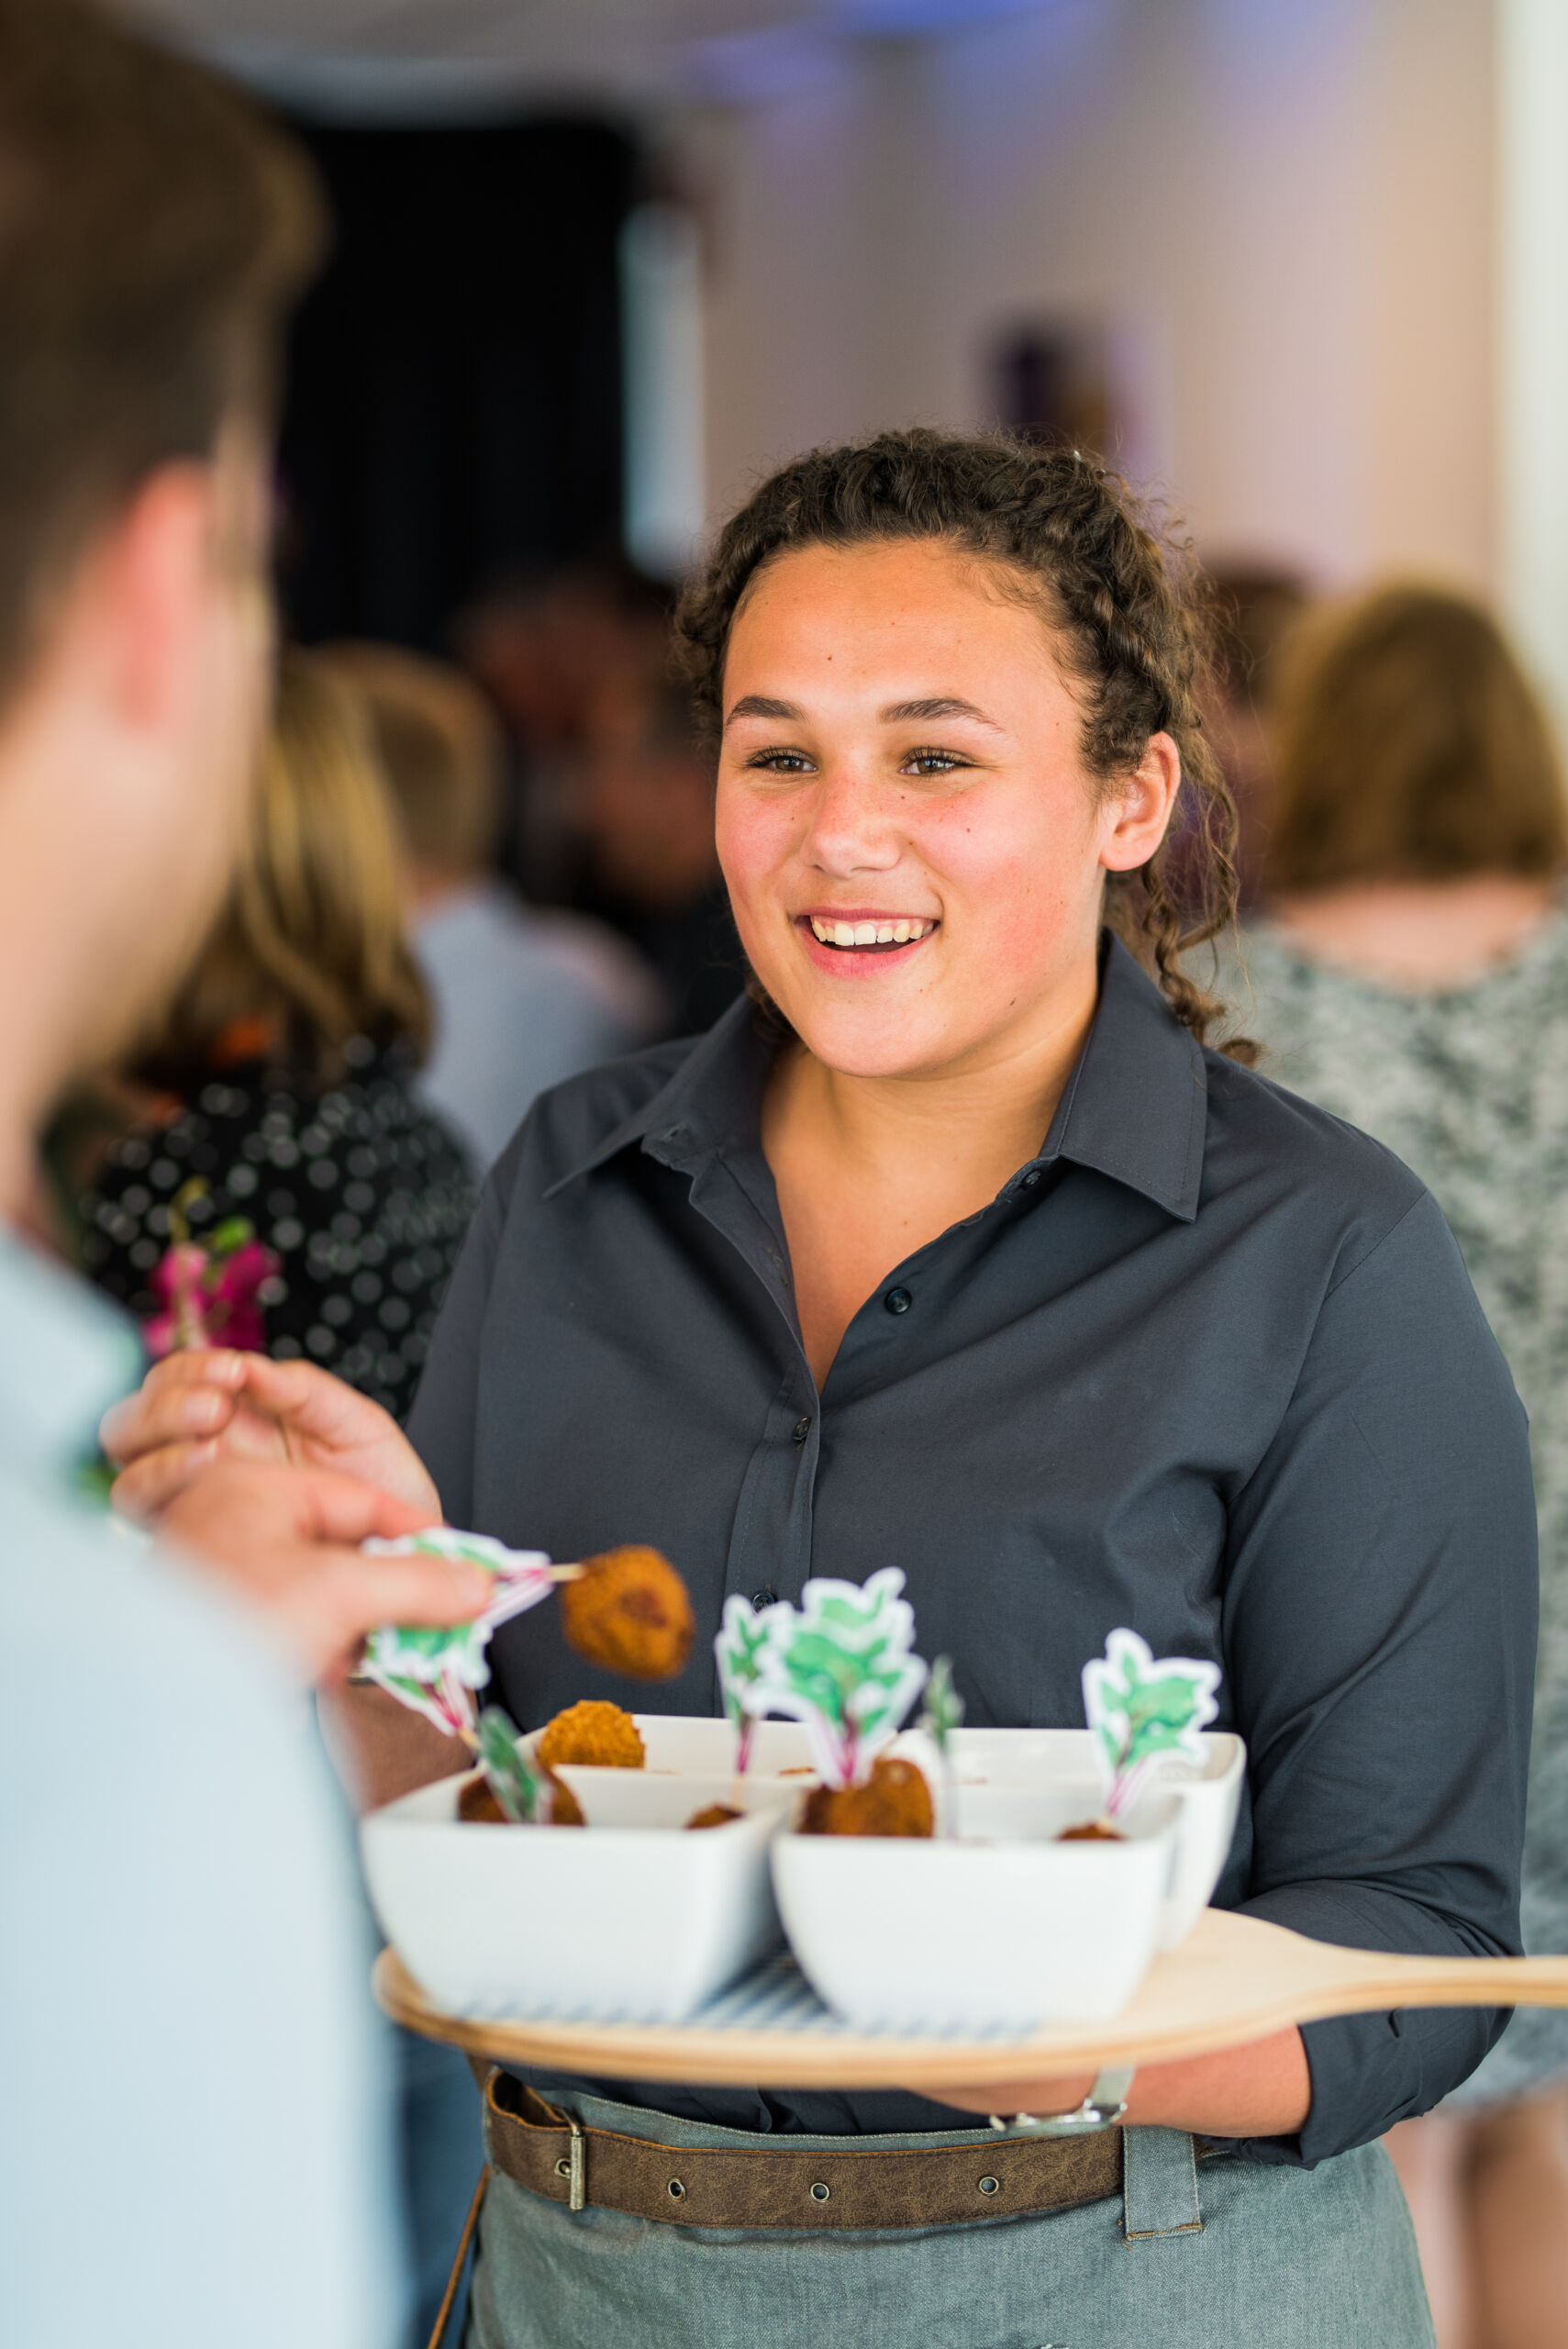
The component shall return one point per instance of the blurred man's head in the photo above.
(152, 231)
(440, 747)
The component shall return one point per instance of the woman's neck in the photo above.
(869, 1169)
(1423, 936)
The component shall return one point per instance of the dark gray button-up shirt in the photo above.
(1209, 1367)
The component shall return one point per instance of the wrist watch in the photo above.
(1101, 2108)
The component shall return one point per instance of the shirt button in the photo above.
(766, 1597)
(899, 1300)
(801, 1431)
(1031, 1178)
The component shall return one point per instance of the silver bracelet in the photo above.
(1101, 2108)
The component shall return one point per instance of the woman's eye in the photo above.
(779, 763)
(932, 762)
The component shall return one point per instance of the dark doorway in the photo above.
(453, 414)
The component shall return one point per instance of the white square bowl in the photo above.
(633, 1918)
(991, 1764)
(901, 1933)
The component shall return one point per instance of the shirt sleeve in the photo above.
(1380, 1624)
(195, 2133)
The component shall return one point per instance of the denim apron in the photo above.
(1220, 2253)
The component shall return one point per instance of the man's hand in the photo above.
(286, 1540)
(203, 1406)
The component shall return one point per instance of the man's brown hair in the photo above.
(153, 230)
(1409, 746)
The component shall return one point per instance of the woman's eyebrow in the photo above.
(942, 705)
(765, 706)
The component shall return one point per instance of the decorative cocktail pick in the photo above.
(435, 1670)
(522, 1790)
(740, 1648)
(209, 1288)
(942, 1714)
(841, 1665)
(1140, 1709)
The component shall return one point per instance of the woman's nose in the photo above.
(850, 828)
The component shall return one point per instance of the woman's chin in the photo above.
(870, 1039)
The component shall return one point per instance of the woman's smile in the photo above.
(861, 944)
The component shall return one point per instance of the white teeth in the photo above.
(869, 933)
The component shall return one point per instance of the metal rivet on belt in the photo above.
(990, 2185)
(676, 2189)
(564, 2169)
(819, 2192)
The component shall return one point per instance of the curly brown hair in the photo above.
(1123, 599)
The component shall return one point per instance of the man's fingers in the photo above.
(171, 1407)
(144, 1490)
(365, 1592)
(311, 1400)
(345, 1509)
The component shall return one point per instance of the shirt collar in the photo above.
(65, 1357)
(1134, 1106)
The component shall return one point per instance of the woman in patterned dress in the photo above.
(1411, 976)
(285, 1067)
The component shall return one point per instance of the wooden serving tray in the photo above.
(1232, 1980)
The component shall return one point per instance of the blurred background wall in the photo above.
(1292, 261)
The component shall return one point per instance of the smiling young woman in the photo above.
(958, 1249)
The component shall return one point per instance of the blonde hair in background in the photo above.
(310, 946)
(1409, 746)
(441, 746)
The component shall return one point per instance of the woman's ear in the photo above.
(1137, 812)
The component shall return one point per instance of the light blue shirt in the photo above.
(522, 1000)
(193, 2137)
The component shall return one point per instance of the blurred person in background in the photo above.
(191, 2136)
(1411, 976)
(541, 649)
(287, 1062)
(1251, 608)
(646, 808)
(521, 997)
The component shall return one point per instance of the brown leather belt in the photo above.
(946, 2185)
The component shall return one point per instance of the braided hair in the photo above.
(1121, 599)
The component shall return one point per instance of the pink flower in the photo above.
(210, 1299)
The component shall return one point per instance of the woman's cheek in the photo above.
(754, 838)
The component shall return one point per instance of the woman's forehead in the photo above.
(910, 619)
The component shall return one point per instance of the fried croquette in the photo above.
(1093, 1831)
(894, 1801)
(477, 1805)
(715, 1814)
(628, 1612)
(594, 1733)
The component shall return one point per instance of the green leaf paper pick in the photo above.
(1139, 1709)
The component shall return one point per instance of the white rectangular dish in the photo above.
(985, 1762)
(633, 1918)
(910, 1935)
(988, 1760)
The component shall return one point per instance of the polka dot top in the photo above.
(359, 1191)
